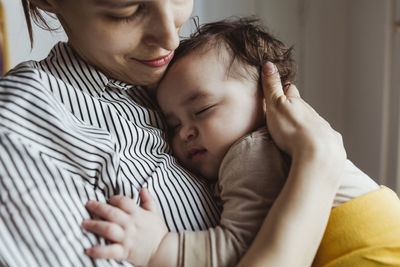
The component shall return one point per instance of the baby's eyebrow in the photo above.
(196, 96)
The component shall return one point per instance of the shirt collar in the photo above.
(119, 84)
(64, 63)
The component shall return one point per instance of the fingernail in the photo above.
(269, 68)
(89, 202)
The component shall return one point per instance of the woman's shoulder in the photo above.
(29, 83)
(61, 68)
(30, 66)
(34, 71)
(25, 74)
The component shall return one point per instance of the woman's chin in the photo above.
(150, 77)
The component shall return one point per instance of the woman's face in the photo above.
(129, 40)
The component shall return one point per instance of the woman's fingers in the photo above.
(110, 231)
(271, 83)
(291, 91)
(107, 212)
(113, 251)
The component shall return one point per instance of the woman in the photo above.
(82, 125)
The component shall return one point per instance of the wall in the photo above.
(348, 52)
(391, 159)
(19, 47)
(344, 72)
(209, 10)
(365, 101)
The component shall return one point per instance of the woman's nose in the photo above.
(188, 133)
(163, 31)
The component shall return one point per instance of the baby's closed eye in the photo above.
(204, 110)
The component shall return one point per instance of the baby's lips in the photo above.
(195, 151)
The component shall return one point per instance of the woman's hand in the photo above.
(136, 232)
(294, 125)
(293, 229)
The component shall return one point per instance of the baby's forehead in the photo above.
(234, 66)
(224, 55)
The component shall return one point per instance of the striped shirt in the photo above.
(69, 134)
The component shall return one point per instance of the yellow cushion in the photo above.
(363, 232)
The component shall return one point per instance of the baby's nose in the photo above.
(187, 133)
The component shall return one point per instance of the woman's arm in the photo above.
(297, 220)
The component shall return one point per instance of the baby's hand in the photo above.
(136, 232)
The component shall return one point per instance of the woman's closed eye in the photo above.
(134, 11)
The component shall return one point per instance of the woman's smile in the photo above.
(158, 62)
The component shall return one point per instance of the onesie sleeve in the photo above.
(251, 176)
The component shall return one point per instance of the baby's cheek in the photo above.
(177, 149)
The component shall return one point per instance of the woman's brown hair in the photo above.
(32, 12)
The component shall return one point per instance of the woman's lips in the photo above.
(158, 62)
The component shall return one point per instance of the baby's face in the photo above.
(207, 110)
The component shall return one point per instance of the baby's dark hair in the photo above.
(248, 41)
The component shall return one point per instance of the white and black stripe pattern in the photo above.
(69, 134)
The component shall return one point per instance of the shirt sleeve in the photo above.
(251, 176)
(354, 183)
(50, 165)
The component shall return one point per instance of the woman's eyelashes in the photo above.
(134, 12)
